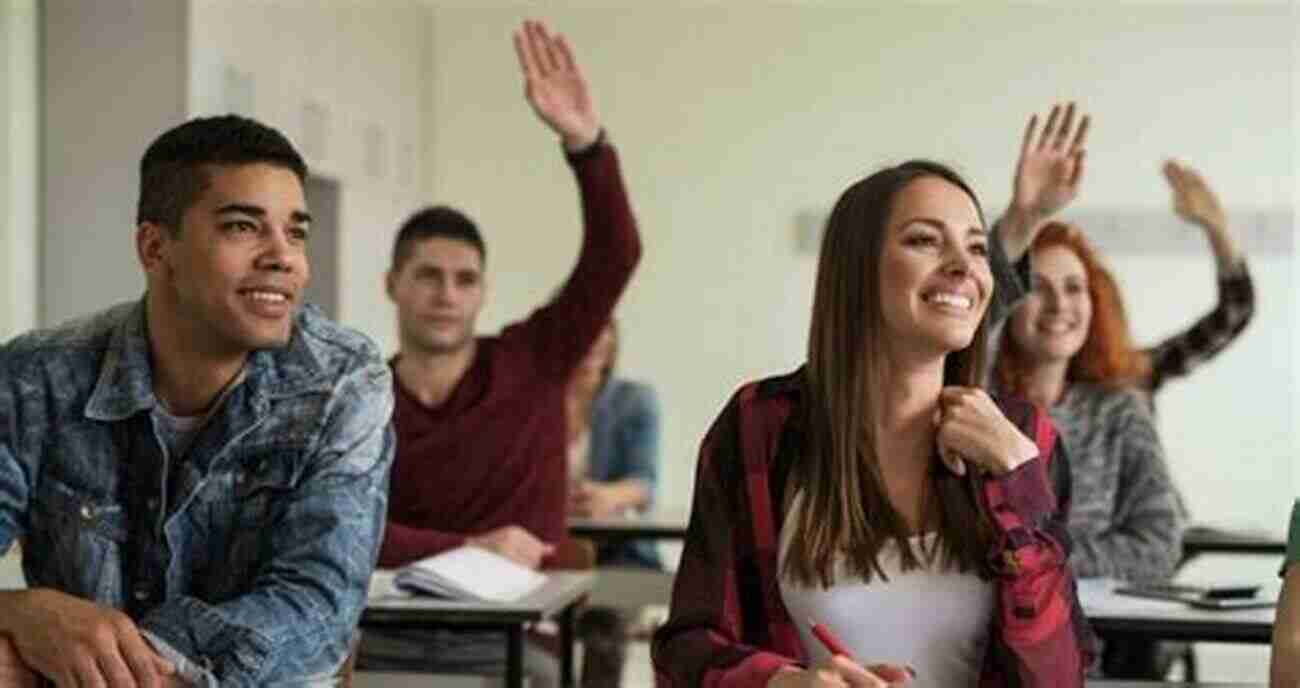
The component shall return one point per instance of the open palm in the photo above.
(554, 84)
(1193, 199)
(1051, 164)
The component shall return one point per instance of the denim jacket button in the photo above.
(141, 594)
(87, 512)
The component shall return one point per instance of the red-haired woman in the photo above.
(1067, 349)
(877, 490)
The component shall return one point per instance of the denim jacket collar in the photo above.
(125, 384)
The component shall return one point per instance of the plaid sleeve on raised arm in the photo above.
(1180, 354)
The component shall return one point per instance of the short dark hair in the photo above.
(172, 173)
(433, 222)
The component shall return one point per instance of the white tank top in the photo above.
(934, 620)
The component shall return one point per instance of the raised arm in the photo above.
(1048, 174)
(559, 334)
(1195, 202)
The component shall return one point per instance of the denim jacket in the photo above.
(245, 561)
(625, 444)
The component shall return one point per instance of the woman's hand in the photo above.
(1195, 202)
(972, 429)
(1049, 172)
(842, 672)
(555, 86)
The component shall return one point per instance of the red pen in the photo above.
(828, 639)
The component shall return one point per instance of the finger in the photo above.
(536, 53)
(115, 672)
(525, 60)
(1030, 130)
(954, 394)
(1081, 136)
(567, 60)
(1076, 175)
(894, 673)
(553, 52)
(1066, 125)
(141, 658)
(1050, 128)
(85, 673)
(541, 48)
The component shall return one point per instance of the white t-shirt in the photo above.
(934, 620)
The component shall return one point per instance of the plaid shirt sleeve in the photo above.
(718, 616)
(1041, 636)
(1183, 352)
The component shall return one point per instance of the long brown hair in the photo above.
(1107, 356)
(846, 511)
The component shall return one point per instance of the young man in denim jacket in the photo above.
(198, 478)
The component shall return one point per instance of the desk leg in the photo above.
(515, 656)
(567, 621)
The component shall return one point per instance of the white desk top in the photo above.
(1100, 601)
(560, 591)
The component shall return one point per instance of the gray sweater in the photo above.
(1125, 518)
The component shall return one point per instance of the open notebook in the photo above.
(470, 573)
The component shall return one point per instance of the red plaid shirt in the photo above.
(728, 627)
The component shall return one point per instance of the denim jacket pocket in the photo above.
(78, 541)
(260, 478)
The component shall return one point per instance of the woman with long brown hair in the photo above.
(877, 490)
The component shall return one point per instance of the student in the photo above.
(198, 478)
(480, 421)
(613, 437)
(1285, 671)
(876, 490)
(1066, 348)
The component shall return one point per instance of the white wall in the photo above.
(19, 127)
(732, 122)
(114, 78)
(347, 82)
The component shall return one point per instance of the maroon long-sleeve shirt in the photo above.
(493, 454)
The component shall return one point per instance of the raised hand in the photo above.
(1193, 199)
(1195, 202)
(1051, 163)
(555, 86)
(972, 429)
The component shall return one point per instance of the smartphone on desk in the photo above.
(1216, 596)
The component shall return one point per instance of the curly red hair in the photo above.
(1108, 356)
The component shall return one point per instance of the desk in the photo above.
(393, 608)
(637, 527)
(1112, 614)
(1202, 540)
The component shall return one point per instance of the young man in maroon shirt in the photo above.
(481, 455)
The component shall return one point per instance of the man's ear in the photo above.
(390, 283)
(151, 241)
